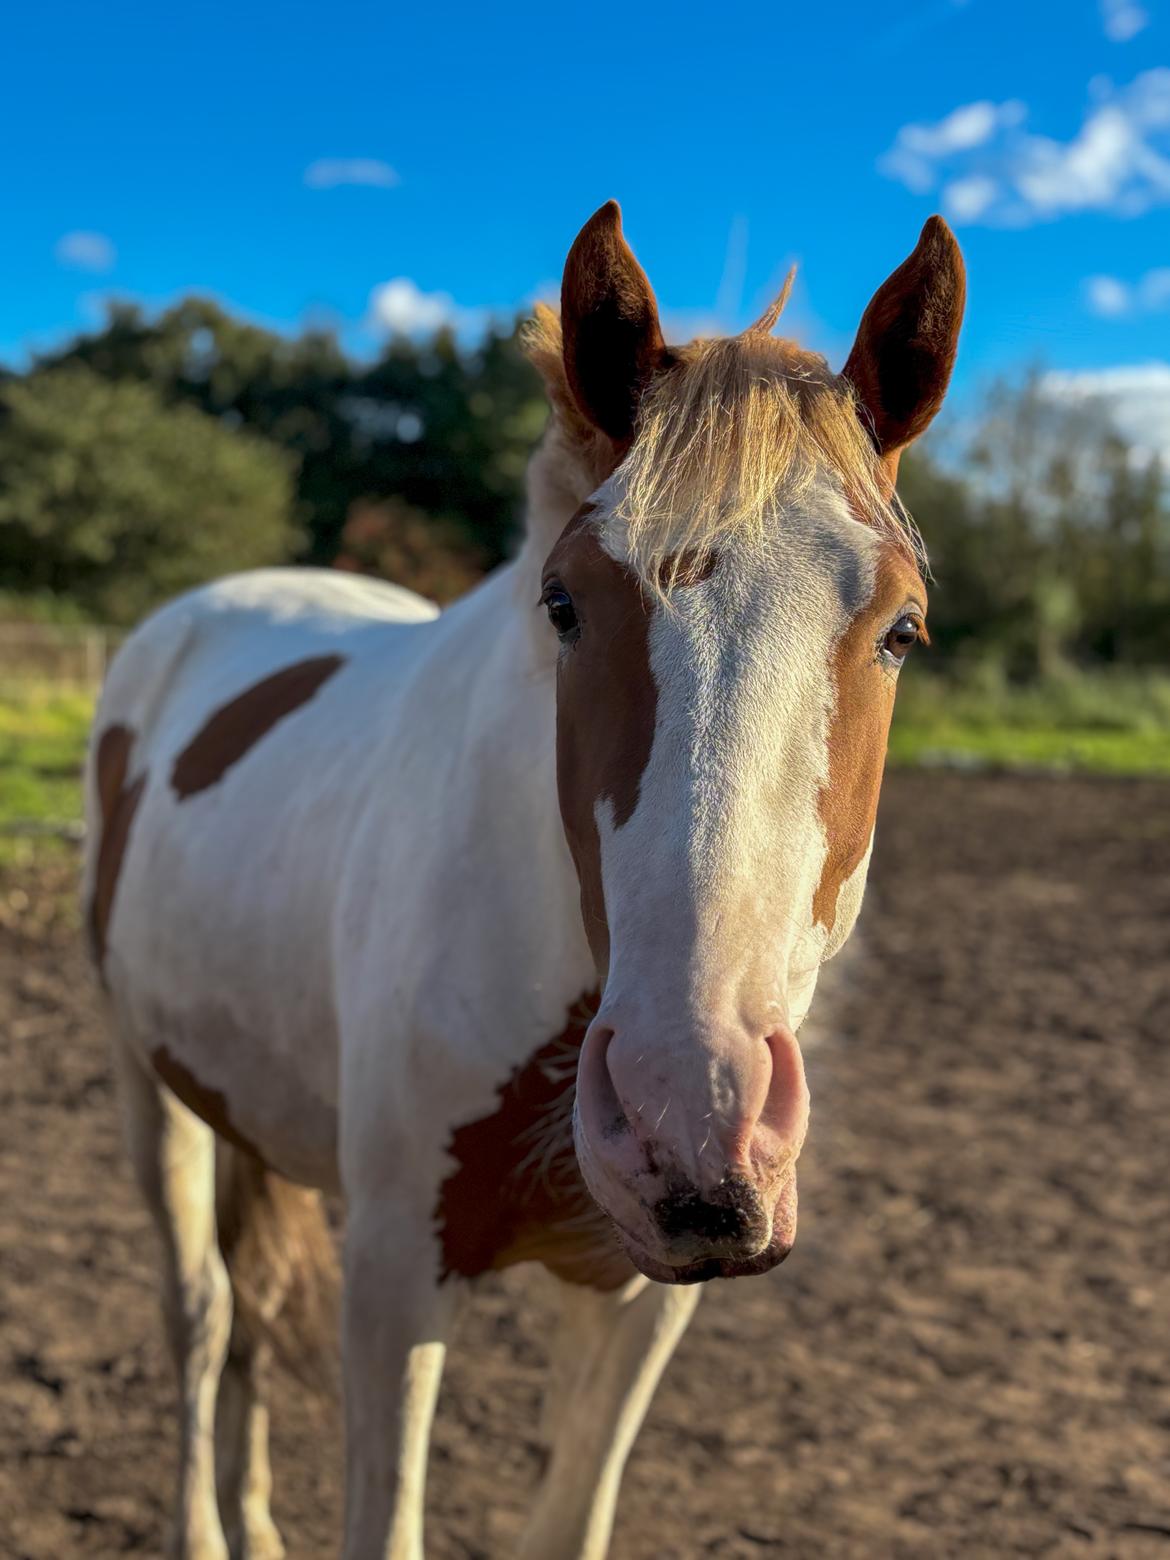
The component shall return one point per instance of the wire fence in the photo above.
(74, 656)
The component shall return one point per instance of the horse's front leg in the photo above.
(609, 1354)
(395, 1323)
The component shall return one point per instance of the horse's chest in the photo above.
(516, 1194)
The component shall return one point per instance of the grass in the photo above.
(43, 732)
(1102, 723)
(1096, 723)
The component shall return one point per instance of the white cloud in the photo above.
(1137, 396)
(329, 172)
(987, 168)
(918, 148)
(1107, 296)
(1111, 297)
(967, 199)
(84, 251)
(1123, 19)
(401, 307)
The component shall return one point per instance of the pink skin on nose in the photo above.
(718, 1119)
(781, 1126)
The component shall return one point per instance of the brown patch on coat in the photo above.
(117, 803)
(607, 705)
(517, 1194)
(228, 734)
(859, 729)
(210, 1105)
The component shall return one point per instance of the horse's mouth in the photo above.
(705, 1268)
(780, 1240)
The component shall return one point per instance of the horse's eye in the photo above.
(904, 635)
(562, 614)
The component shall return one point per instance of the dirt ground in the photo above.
(967, 1354)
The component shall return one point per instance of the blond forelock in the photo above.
(733, 436)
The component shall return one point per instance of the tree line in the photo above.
(160, 451)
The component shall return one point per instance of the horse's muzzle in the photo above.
(732, 1236)
(691, 1148)
(730, 1220)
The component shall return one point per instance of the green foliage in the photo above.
(43, 606)
(1109, 722)
(1049, 539)
(116, 500)
(444, 429)
(392, 541)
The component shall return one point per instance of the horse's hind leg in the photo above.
(244, 1477)
(173, 1154)
(279, 1252)
(608, 1357)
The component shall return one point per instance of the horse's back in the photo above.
(211, 639)
(228, 754)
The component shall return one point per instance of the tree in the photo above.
(1049, 536)
(445, 428)
(392, 541)
(118, 501)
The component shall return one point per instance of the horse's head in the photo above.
(733, 603)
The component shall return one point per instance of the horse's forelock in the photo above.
(738, 430)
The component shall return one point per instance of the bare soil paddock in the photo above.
(968, 1353)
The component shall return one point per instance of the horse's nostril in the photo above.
(729, 1215)
(594, 1075)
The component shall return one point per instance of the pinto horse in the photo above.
(501, 921)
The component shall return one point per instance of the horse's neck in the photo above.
(486, 701)
(559, 480)
(458, 877)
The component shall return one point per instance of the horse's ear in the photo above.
(613, 342)
(901, 362)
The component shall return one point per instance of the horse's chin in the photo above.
(705, 1268)
(697, 1269)
(781, 1239)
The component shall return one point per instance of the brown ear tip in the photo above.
(938, 234)
(610, 214)
(604, 227)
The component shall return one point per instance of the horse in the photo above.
(500, 922)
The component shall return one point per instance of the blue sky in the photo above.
(294, 159)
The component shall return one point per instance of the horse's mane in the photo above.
(737, 430)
